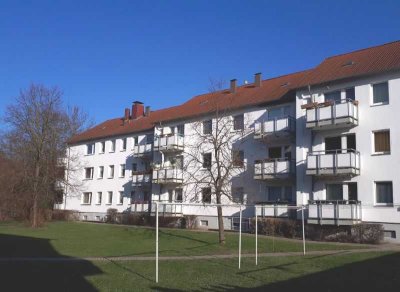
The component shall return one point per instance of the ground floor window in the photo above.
(334, 192)
(206, 195)
(279, 193)
(87, 198)
(109, 198)
(384, 193)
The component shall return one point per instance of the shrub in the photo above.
(111, 216)
(276, 227)
(367, 233)
(64, 215)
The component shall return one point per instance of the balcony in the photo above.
(331, 115)
(168, 176)
(144, 150)
(343, 162)
(169, 210)
(141, 179)
(274, 209)
(139, 207)
(276, 129)
(334, 212)
(169, 143)
(274, 169)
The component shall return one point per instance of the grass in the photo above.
(77, 239)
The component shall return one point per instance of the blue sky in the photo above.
(106, 54)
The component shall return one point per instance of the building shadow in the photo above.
(32, 264)
(377, 274)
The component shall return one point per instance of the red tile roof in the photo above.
(369, 61)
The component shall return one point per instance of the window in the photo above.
(149, 138)
(136, 140)
(382, 141)
(112, 148)
(207, 127)
(178, 195)
(276, 194)
(101, 171)
(181, 129)
(333, 96)
(274, 152)
(350, 93)
(133, 197)
(237, 158)
(86, 198)
(102, 146)
(238, 122)
(111, 171)
(99, 198)
(122, 170)
(121, 198)
(332, 144)
(170, 196)
(109, 198)
(353, 192)
(384, 193)
(274, 113)
(123, 144)
(334, 192)
(145, 196)
(90, 149)
(134, 168)
(89, 173)
(207, 160)
(238, 195)
(206, 195)
(380, 93)
(204, 222)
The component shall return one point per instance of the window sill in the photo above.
(121, 177)
(86, 204)
(89, 154)
(379, 205)
(380, 153)
(119, 204)
(100, 178)
(124, 150)
(108, 204)
(98, 204)
(88, 179)
(101, 152)
(110, 177)
(379, 104)
(111, 152)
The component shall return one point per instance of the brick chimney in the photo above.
(257, 80)
(137, 109)
(233, 85)
(127, 114)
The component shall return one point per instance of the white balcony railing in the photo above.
(279, 127)
(173, 142)
(274, 168)
(139, 206)
(168, 175)
(332, 114)
(174, 209)
(337, 162)
(139, 179)
(273, 210)
(334, 212)
(142, 150)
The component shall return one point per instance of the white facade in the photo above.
(286, 158)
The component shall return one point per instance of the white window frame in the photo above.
(373, 142)
(109, 171)
(124, 143)
(372, 93)
(112, 146)
(99, 198)
(122, 168)
(91, 173)
(375, 194)
(93, 149)
(100, 174)
(89, 197)
(233, 123)
(102, 147)
(120, 197)
(109, 198)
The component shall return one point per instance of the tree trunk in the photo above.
(35, 210)
(221, 231)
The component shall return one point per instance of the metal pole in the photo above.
(240, 234)
(256, 237)
(304, 237)
(156, 242)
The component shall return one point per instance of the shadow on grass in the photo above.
(376, 274)
(17, 274)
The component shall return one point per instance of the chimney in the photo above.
(127, 114)
(233, 86)
(257, 80)
(147, 111)
(137, 109)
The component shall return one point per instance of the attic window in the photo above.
(203, 102)
(285, 84)
(348, 63)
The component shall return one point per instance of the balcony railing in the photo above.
(277, 128)
(336, 162)
(174, 209)
(168, 176)
(274, 209)
(141, 178)
(142, 150)
(173, 142)
(139, 206)
(332, 114)
(343, 212)
(278, 168)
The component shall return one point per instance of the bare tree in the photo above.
(212, 155)
(38, 128)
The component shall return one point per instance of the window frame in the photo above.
(112, 146)
(100, 171)
(91, 173)
(110, 195)
(93, 147)
(372, 94)
(209, 193)
(122, 170)
(374, 152)
(89, 197)
(102, 147)
(238, 163)
(209, 127)
(124, 144)
(111, 167)
(390, 204)
(120, 198)
(99, 198)
(203, 165)
(234, 122)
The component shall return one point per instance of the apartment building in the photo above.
(324, 137)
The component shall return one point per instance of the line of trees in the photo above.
(33, 151)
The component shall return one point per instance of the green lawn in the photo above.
(77, 239)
